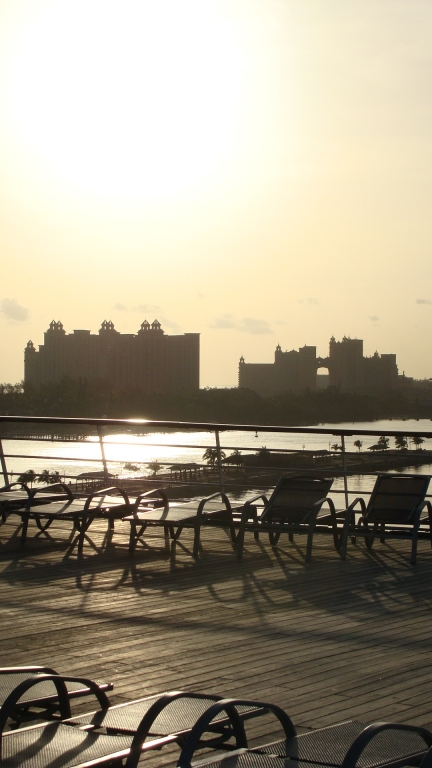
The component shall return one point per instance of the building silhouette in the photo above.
(150, 360)
(296, 371)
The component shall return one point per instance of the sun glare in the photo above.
(128, 98)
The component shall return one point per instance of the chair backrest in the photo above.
(293, 498)
(395, 498)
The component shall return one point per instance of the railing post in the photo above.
(3, 464)
(101, 443)
(344, 471)
(219, 461)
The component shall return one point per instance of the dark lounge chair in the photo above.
(294, 508)
(44, 695)
(111, 734)
(15, 496)
(106, 504)
(174, 518)
(345, 745)
(394, 511)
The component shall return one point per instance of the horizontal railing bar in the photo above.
(207, 426)
(181, 465)
(194, 446)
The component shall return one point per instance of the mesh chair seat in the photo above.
(75, 508)
(330, 745)
(247, 759)
(179, 715)
(58, 746)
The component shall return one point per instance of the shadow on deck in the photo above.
(327, 641)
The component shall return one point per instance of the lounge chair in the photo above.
(44, 696)
(341, 746)
(173, 518)
(294, 508)
(112, 733)
(15, 496)
(106, 504)
(394, 511)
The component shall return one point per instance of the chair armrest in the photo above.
(9, 486)
(257, 498)
(416, 514)
(149, 718)
(358, 746)
(249, 509)
(219, 494)
(229, 706)
(59, 682)
(63, 486)
(156, 492)
(333, 514)
(107, 492)
(349, 511)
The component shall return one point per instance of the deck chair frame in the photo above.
(174, 524)
(48, 702)
(81, 518)
(311, 523)
(373, 523)
(128, 744)
(355, 749)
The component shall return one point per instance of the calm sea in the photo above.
(168, 448)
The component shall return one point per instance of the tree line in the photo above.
(242, 406)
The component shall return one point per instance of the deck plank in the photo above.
(328, 641)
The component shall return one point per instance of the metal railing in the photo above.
(219, 475)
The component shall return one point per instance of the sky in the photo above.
(258, 171)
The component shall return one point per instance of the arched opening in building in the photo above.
(322, 378)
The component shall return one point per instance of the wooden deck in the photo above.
(328, 641)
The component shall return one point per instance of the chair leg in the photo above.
(240, 543)
(414, 547)
(197, 537)
(132, 537)
(369, 540)
(309, 544)
(274, 537)
(25, 522)
(342, 544)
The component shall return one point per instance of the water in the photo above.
(172, 447)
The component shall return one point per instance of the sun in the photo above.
(128, 97)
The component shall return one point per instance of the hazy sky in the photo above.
(258, 171)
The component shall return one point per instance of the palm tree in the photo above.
(401, 442)
(155, 467)
(358, 444)
(417, 441)
(383, 443)
(210, 456)
(336, 447)
(236, 458)
(44, 477)
(263, 454)
(27, 477)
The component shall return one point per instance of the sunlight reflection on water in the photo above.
(171, 447)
